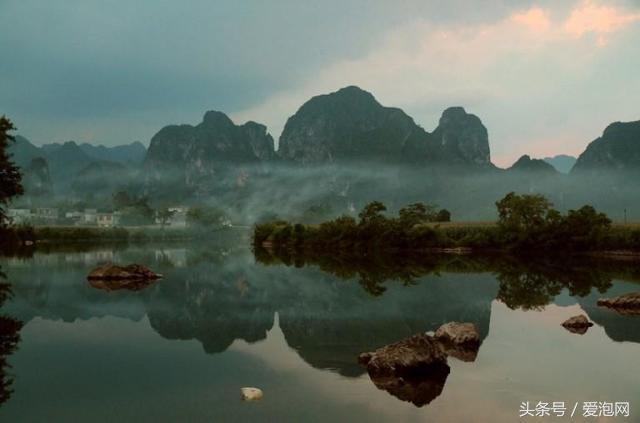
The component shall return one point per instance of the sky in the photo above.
(545, 77)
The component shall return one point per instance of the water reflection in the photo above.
(329, 311)
(418, 389)
(9, 339)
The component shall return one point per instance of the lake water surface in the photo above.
(181, 349)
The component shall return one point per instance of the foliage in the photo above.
(416, 213)
(208, 217)
(372, 213)
(443, 215)
(10, 178)
(523, 213)
(164, 215)
(135, 210)
(527, 223)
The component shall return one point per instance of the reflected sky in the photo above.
(182, 349)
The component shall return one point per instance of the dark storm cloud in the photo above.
(113, 61)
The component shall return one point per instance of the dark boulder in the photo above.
(411, 355)
(623, 304)
(414, 369)
(113, 272)
(111, 277)
(459, 340)
(577, 324)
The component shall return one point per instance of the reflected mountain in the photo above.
(327, 313)
(340, 320)
(617, 326)
(216, 309)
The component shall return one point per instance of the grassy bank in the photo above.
(21, 237)
(474, 236)
(74, 234)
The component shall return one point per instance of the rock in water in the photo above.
(577, 324)
(113, 272)
(405, 357)
(251, 394)
(460, 340)
(111, 277)
(623, 304)
(458, 333)
(414, 369)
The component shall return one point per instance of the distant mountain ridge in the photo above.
(351, 125)
(617, 149)
(133, 153)
(562, 162)
(527, 164)
(59, 164)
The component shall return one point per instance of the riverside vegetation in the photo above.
(526, 223)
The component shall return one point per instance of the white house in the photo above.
(47, 213)
(90, 216)
(20, 216)
(107, 220)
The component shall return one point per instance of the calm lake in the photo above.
(181, 349)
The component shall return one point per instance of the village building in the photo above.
(47, 213)
(107, 220)
(20, 216)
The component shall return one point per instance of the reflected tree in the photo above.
(533, 285)
(9, 339)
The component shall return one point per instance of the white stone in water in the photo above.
(251, 394)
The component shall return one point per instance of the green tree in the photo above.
(584, 228)
(209, 217)
(164, 215)
(416, 213)
(372, 213)
(10, 178)
(523, 213)
(443, 215)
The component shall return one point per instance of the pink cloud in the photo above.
(590, 17)
(536, 19)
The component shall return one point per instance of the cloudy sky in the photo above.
(545, 77)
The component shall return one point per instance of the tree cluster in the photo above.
(10, 177)
(526, 223)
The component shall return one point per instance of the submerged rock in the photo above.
(251, 394)
(113, 272)
(577, 324)
(623, 304)
(459, 340)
